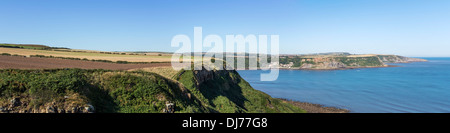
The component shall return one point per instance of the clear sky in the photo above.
(403, 27)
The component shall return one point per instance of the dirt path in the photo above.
(16, 62)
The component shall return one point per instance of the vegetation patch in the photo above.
(133, 92)
(360, 61)
(29, 46)
(107, 91)
(227, 92)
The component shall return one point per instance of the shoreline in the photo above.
(314, 108)
(345, 68)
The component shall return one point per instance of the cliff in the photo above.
(226, 92)
(106, 91)
(398, 59)
(343, 61)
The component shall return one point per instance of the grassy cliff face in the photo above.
(104, 91)
(227, 92)
(331, 62)
(372, 61)
(99, 90)
(343, 61)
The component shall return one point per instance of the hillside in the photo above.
(112, 82)
(342, 61)
(29, 46)
(227, 92)
(398, 59)
(107, 91)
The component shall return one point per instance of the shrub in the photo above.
(122, 62)
(6, 54)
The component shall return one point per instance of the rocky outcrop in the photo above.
(324, 65)
(22, 105)
(415, 60)
(170, 107)
(203, 75)
(398, 59)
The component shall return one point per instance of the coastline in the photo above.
(315, 108)
(345, 68)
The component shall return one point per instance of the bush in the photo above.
(6, 54)
(122, 62)
(19, 55)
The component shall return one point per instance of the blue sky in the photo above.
(403, 27)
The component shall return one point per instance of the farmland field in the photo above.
(165, 71)
(16, 62)
(88, 55)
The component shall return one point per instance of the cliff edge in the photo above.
(341, 61)
(107, 91)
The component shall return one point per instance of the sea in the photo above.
(418, 87)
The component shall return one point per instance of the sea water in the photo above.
(410, 87)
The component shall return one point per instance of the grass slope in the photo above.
(227, 92)
(133, 92)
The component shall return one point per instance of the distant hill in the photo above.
(341, 61)
(331, 53)
(29, 46)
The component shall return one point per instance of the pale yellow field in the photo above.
(318, 56)
(167, 72)
(362, 55)
(89, 55)
(326, 56)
